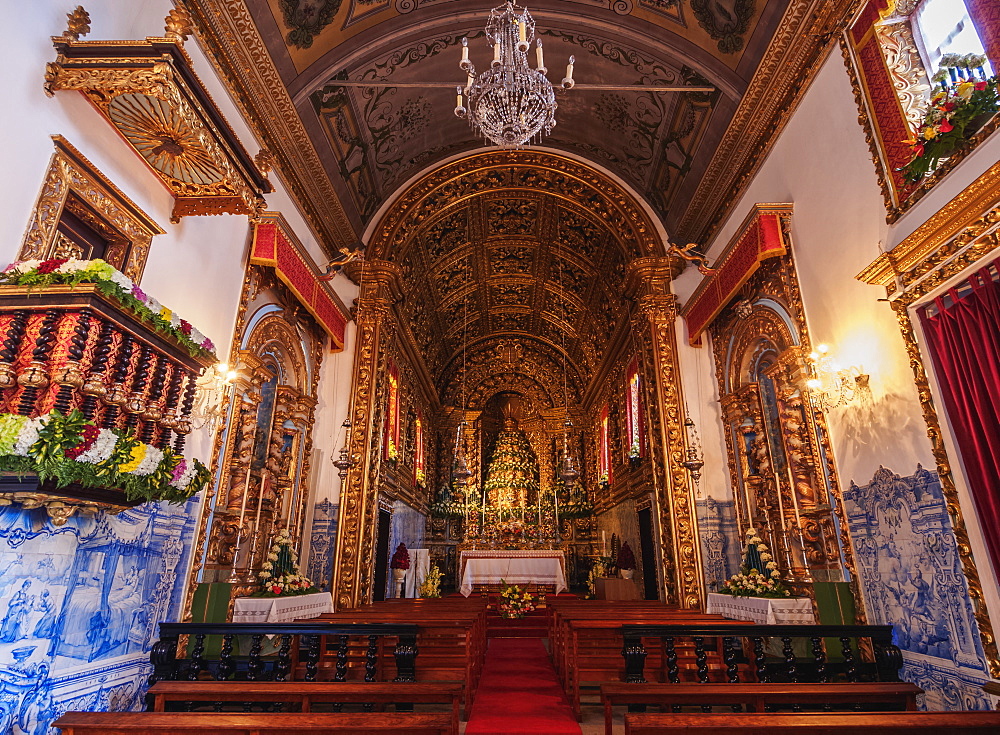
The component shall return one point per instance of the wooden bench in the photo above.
(304, 695)
(755, 697)
(884, 723)
(226, 723)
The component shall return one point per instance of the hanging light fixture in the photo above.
(344, 462)
(569, 473)
(510, 103)
(693, 459)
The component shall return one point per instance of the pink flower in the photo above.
(179, 470)
(208, 345)
(185, 328)
(138, 293)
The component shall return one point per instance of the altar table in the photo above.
(762, 610)
(281, 609)
(536, 566)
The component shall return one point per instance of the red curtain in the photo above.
(963, 336)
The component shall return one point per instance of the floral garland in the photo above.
(279, 574)
(112, 283)
(70, 449)
(751, 581)
(955, 106)
(431, 586)
(514, 602)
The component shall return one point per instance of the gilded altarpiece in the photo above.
(265, 446)
(780, 461)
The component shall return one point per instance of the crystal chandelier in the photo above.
(510, 103)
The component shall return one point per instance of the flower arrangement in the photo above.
(751, 581)
(626, 557)
(600, 568)
(954, 113)
(514, 602)
(512, 527)
(70, 449)
(431, 586)
(114, 284)
(634, 452)
(400, 559)
(279, 574)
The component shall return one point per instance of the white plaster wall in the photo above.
(822, 165)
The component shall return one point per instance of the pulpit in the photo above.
(543, 568)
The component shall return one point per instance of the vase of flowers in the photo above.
(399, 564)
(626, 561)
(966, 100)
(279, 574)
(514, 602)
(431, 586)
(759, 575)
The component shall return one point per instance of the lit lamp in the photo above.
(831, 386)
(214, 388)
(510, 103)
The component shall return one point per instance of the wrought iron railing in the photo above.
(866, 652)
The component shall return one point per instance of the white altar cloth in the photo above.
(281, 609)
(512, 567)
(420, 564)
(762, 610)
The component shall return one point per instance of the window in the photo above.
(944, 27)
(418, 453)
(604, 451)
(390, 443)
(636, 436)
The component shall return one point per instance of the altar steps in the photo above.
(533, 625)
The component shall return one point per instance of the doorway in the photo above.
(650, 587)
(382, 554)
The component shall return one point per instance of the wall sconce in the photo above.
(214, 388)
(830, 385)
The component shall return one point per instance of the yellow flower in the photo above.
(165, 314)
(965, 90)
(138, 454)
(929, 132)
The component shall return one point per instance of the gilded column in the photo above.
(648, 281)
(380, 286)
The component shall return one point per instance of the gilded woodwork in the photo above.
(788, 497)
(149, 93)
(648, 281)
(73, 183)
(380, 287)
(956, 238)
(905, 69)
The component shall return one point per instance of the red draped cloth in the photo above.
(963, 336)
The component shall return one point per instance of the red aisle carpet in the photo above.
(519, 693)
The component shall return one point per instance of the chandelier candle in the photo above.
(510, 104)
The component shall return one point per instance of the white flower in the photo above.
(264, 575)
(149, 462)
(101, 449)
(72, 266)
(122, 281)
(775, 573)
(272, 556)
(196, 336)
(267, 565)
(28, 435)
(175, 321)
(751, 532)
(772, 565)
(185, 477)
(766, 557)
(153, 304)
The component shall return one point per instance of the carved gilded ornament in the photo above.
(148, 91)
(72, 182)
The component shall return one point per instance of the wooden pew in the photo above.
(303, 695)
(755, 697)
(884, 723)
(225, 723)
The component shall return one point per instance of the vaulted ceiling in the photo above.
(518, 265)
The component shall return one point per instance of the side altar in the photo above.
(485, 568)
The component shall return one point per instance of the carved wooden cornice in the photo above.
(793, 58)
(150, 94)
(963, 221)
(234, 46)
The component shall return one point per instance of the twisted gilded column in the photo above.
(648, 282)
(380, 286)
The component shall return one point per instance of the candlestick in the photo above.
(496, 54)
(538, 56)
(465, 49)
(569, 68)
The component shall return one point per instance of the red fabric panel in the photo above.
(761, 239)
(867, 18)
(985, 16)
(964, 342)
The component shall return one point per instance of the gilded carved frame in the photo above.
(73, 181)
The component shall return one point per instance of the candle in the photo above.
(522, 31)
(569, 68)
(604, 543)
(458, 102)
(538, 55)
(246, 491)
(496, 54)
(465, 49)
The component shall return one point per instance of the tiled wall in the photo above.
(322, 543)
(912, 579)
(79, 606)
(720, 540)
